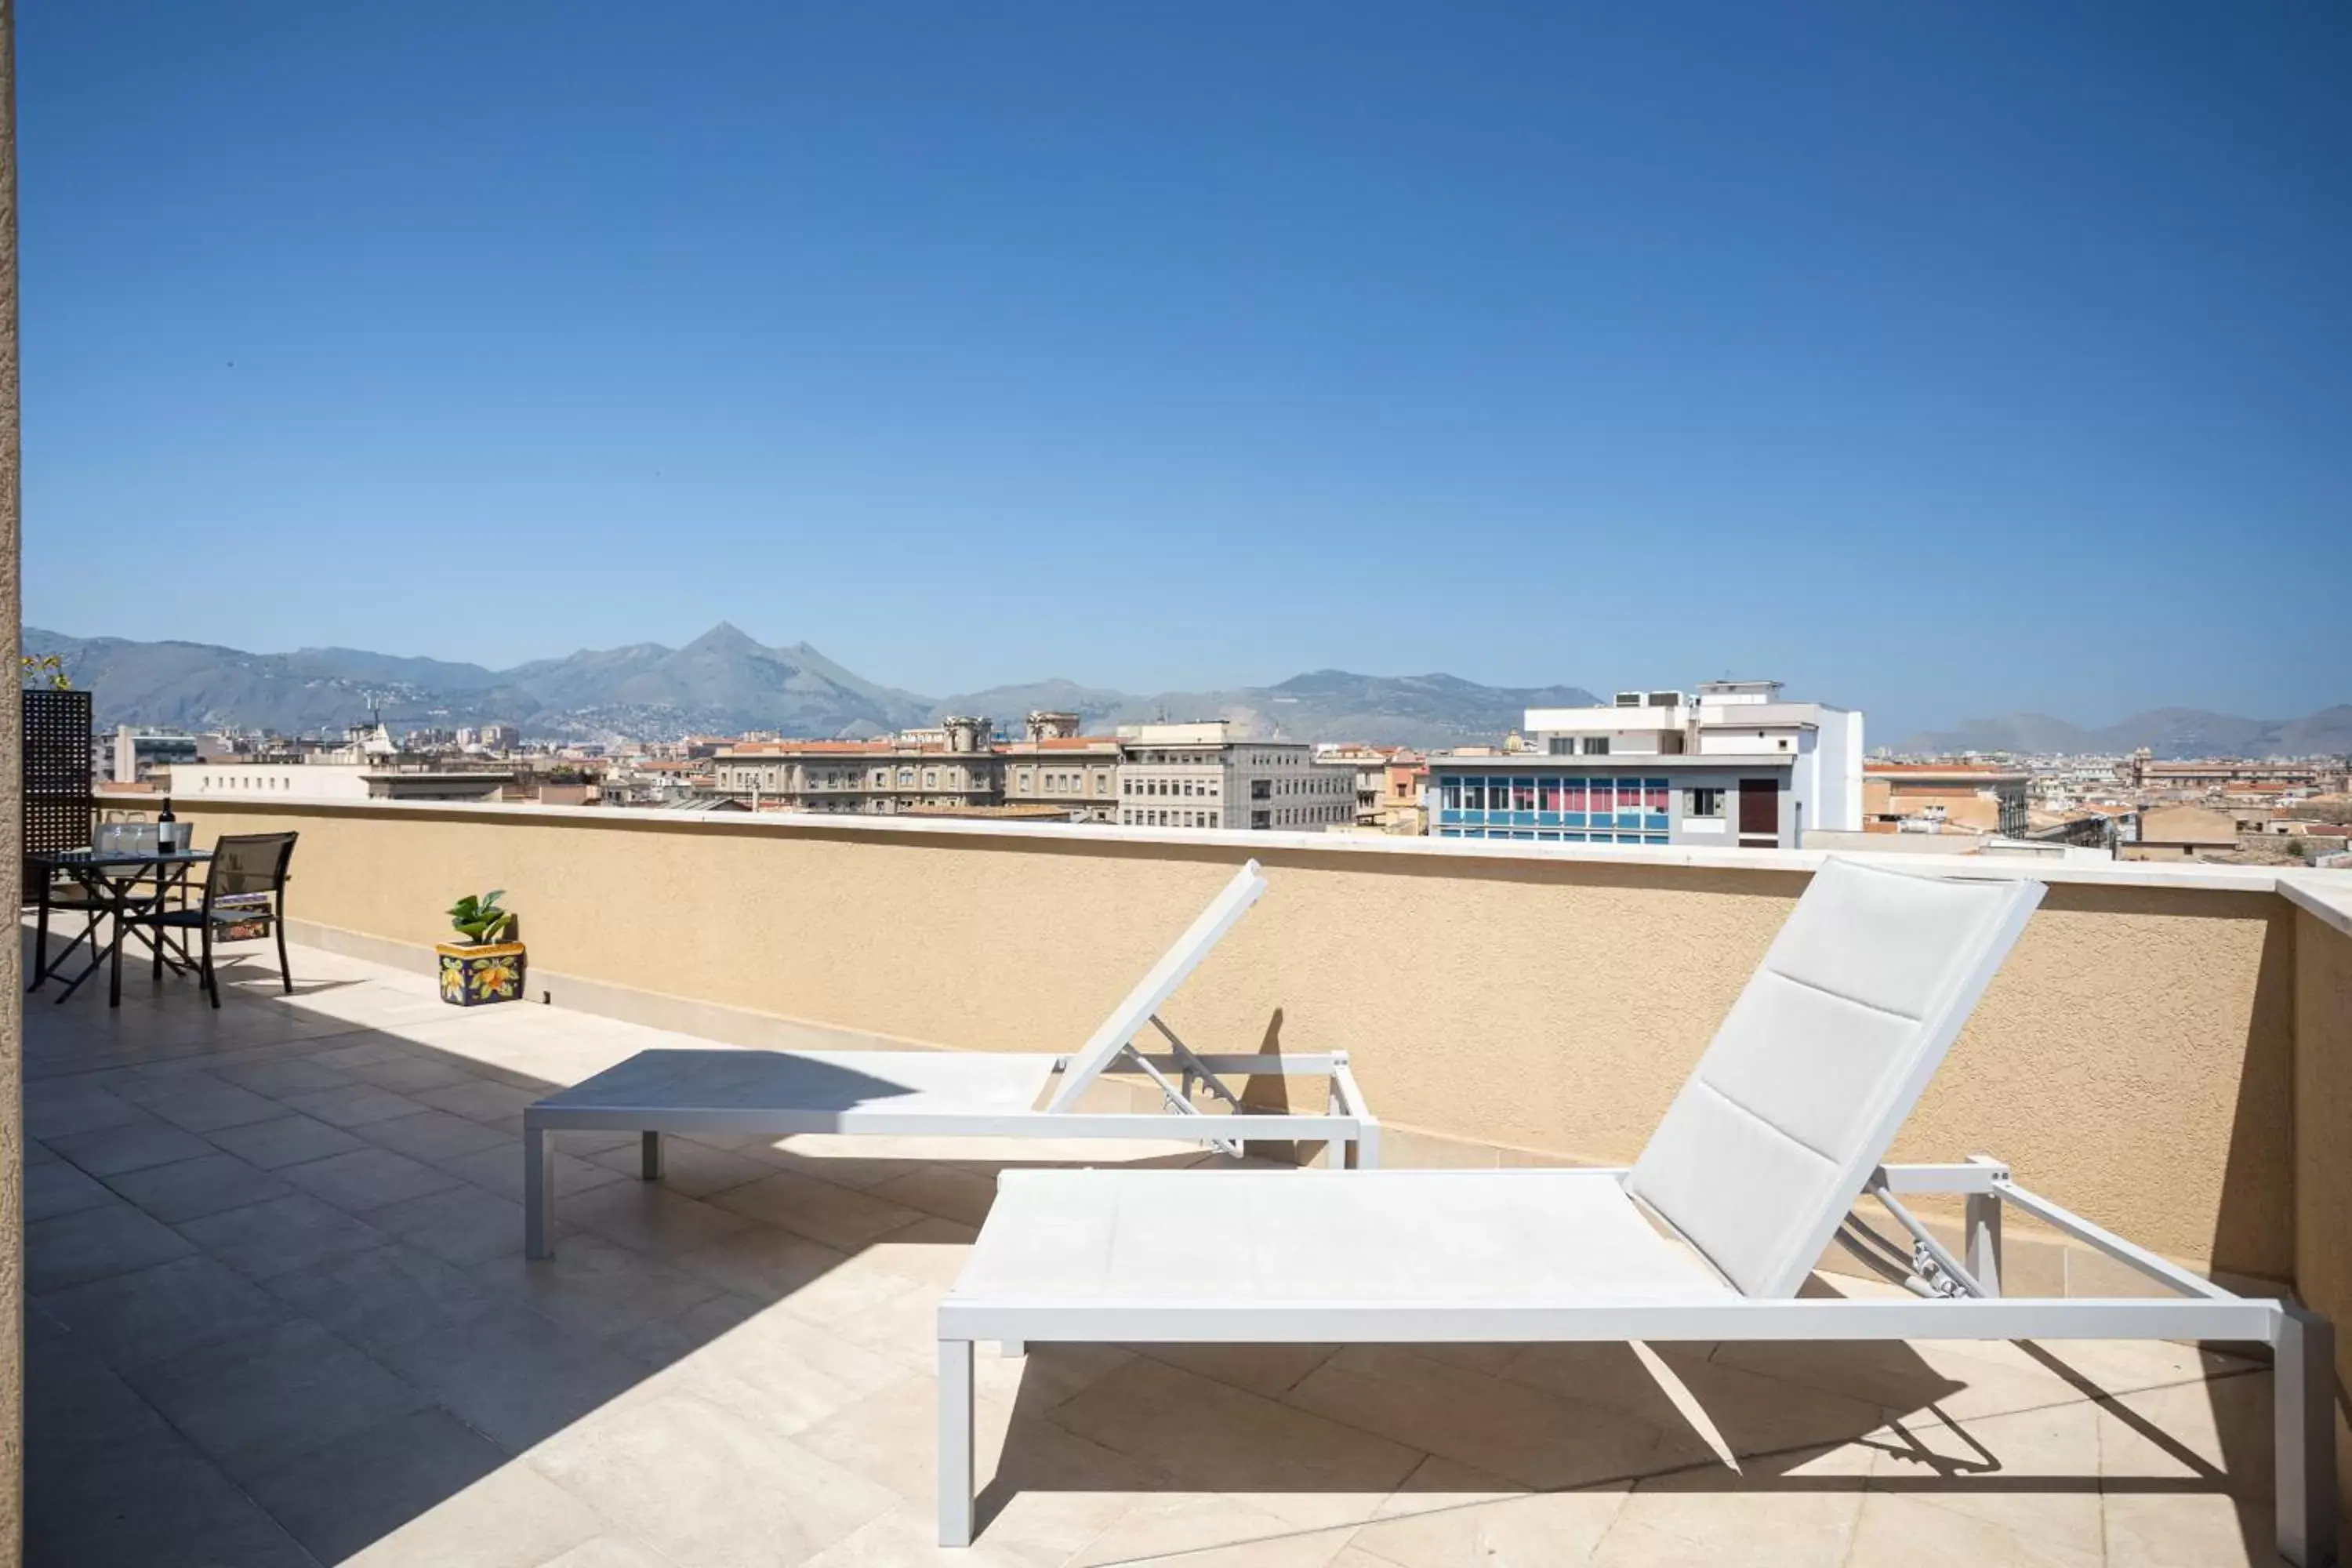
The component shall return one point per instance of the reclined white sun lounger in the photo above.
(955, 1093)
(1709, 1236)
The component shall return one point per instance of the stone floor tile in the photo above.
(188, 1189)
(411, 1071)
(707, 1489)
(284, 1141)
(513, 1517)
(155, 1314)
(606, 1552)
(1448, 1515)
(61, 1109)
(931, 1251)
(513, 1375)
(383, 1296)
(1530, 1435)
(1912, 1532)
(1272, 1370)
(342, 1496)
(129, 1146)
(952, 1192)
(153, 1500)
(95, 1243)
(906, 1537)
(1708, 1515)
(1705, 1406)
(433, 1135)
(785, 1374)
(258, 1402)
(292, 1232)
(838, 1216)
(58, 1186)
(352, 1105)
(1170, 1526)
(501, 1171)
(659, 1343)
(202, 1103)
(2033, 1473)
(480, 1100)
(2215, 1433)
(1044, 1492)
(367, 1178)
(761, 1262)
(692, 1169)
(1289, 1460)
(464, 1225)
(640, 1215)
(2188, 1529)
(595, 1286)
(285, 1076)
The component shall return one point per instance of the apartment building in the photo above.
(1054, 765)
(957, 766)
(1204, 775)
(1729, 765)
(229, 780)
(1945, 797)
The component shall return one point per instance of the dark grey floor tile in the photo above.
(155, 1502)
(256, 1402)
(59, 1187)
(464, 1225)
(263, 1239)
(166, 1310)
(352, 1105)
(340, 1497)
(204, 1103)
(95, 1243)
(433, 1135)
(367, 1178)
(284, 1141)
(62, 1108)
(187, 1189)
(385, 1295)
(129, 1146)
(279, 1079)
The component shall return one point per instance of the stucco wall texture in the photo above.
(2134, 1059)
(2323, 1140)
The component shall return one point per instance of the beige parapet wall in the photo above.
(2135, 1059)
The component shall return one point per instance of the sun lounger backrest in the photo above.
(1819, 1061)
(1136, 1008)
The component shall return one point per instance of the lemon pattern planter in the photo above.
(471, 976)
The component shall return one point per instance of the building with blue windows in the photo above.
(1730, 766)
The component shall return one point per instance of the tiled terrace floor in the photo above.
(279, 1316)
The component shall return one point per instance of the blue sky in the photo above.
(1940, 360)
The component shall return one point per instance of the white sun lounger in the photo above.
(1709, 1236)
(955, 1093)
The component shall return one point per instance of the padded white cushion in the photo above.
(1385, 1237)
(1819, 1061)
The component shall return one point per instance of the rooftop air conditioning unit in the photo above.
(1667, 700)
(1629, 700)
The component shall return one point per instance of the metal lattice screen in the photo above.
(59, 804)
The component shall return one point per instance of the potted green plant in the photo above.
(484, 967)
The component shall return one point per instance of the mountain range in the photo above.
(2168, 732)
(724, 681)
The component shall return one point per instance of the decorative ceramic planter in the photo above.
(472, 975)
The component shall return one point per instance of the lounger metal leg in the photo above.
(2304, 1409)
(649, 1156)
(537, 1193)
(1012, 1350)
(955, 1443)
(1365, 1150)
(1983, 1248)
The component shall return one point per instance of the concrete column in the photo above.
(12, 828)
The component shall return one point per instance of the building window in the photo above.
(1704, 802)
(1562, 746)
(931, 778)
(1596, 745)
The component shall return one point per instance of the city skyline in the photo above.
(1196, 351)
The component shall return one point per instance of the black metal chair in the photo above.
(62, 895)
(245, 879)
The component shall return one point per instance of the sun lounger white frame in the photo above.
(1017, 1287)
(957, 1094)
